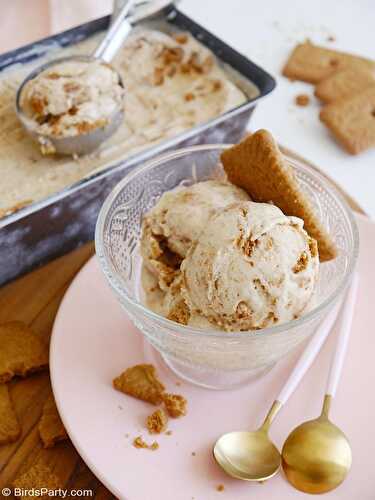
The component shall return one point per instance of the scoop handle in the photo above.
(115, 36)
(343, 337)
(308, 355)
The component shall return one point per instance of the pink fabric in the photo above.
(24, 21)
(68, 13)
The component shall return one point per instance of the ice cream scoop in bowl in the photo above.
(70, 124)
(214, 358)
(72, 105)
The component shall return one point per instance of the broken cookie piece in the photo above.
(51, 428)
(175, 404)
(10, 429)
(21, 352)
(38, 477)
(157, 422)
(141, 382)
(257, 165)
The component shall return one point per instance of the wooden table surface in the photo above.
(35, 299)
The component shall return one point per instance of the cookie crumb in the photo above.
(331, 38)
(157, 422)
(158, 77)
(189, 97)
(140, 443)
(302, 100)
(301, 264)
(220, 487)
(168, 433)
(175, 404)
(181, 38)
(193, 454)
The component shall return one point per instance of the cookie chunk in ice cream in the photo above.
(177, 220)
(72, 98)
(252, 268)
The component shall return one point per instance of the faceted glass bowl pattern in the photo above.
(214, 359)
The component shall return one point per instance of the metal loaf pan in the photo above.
(54, 226)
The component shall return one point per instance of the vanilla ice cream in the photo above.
(72, 98)
(213, 259)
(170, 302)
(177, 220)
(253, 267)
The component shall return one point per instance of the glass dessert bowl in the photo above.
(213, 358)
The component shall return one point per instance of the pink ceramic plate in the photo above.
(93, 341)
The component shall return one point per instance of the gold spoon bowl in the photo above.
(316, 457)
(250, 456)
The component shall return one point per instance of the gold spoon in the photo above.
(252, 456)
(316, 456)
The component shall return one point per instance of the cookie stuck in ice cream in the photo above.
(257, 165)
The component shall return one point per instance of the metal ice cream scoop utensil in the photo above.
(252, 456)
(87, 142)
(316, 457)
(143, 9)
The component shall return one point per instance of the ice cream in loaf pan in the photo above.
(172, 84)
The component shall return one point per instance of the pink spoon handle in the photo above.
(308, 355)
(343, 337)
